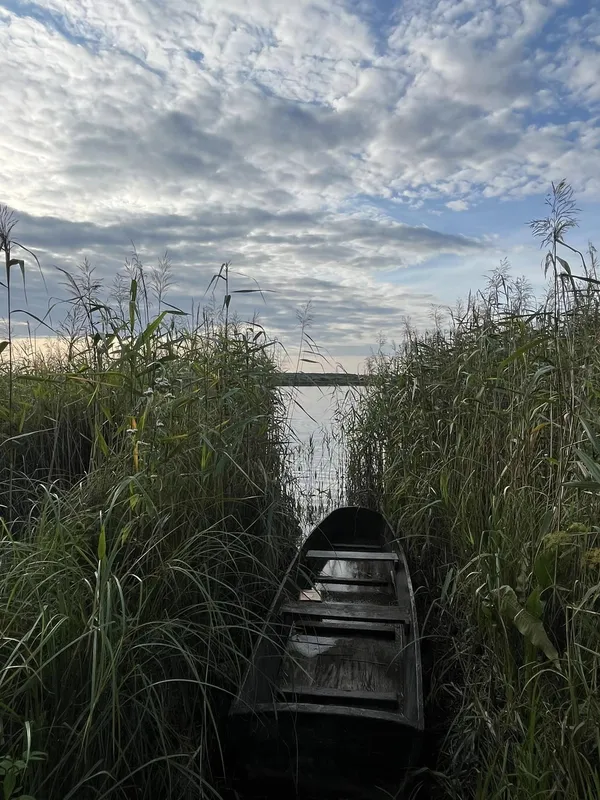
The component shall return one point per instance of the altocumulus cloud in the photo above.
(322, 146)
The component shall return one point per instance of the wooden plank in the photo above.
(357, 595)
(347, 627)
(352, 696)
(326, 709)
(351, 581)
(356, 546)
(362, 611)
(379, 570)
(341, 661)
(351, 555)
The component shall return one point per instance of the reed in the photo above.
(480, 441)
(147, 516)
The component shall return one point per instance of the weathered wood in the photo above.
(351, 593)
(351, 581)
(351, 555)
(347, 627)
(341, 662)
(347, 696)
(342, 711)
(350, 569)
(373, 548)
(346, 660)
(313, 608)
(354, 593)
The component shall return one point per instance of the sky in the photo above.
(374, 158)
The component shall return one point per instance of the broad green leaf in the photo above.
(205, 458)
(9, 783)
(447, 582)
(102, 442)
(151, 328)
(125, 533)
(177, 437)
(33, 316)
(543, 568)
(534, 605)
(3, 346)
(522, 350)
(19, 262)
(591, 435)
(525, 622)
(174, 310)
(586, 486)
(590, 464)
(102, 543)
(539, 427)
(541, 372)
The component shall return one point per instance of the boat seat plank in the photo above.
(355, 594)
(324, 708)
(356, 546)
(350, 696)
(351, 581)
(352, 555)
(337, 626)
(358, 611)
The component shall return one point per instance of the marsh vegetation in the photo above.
(150, 503)
(481, 441)
(146, 519)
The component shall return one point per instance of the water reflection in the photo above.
(315, 416)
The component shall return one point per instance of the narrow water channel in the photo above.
(319, 451)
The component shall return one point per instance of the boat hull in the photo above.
(331, 705)
(299, 754)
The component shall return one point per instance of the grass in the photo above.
(148, 512)
(146, 519)
(481, 442)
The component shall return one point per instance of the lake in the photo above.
(319, 449)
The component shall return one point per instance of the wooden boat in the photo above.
(331, 704)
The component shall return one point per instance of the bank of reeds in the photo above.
(481, 442)
(145, 522)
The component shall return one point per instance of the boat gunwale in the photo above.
(388, 540)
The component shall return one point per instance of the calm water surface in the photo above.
(319, 461)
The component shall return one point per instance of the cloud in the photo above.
(299, 140)
(457, 205)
